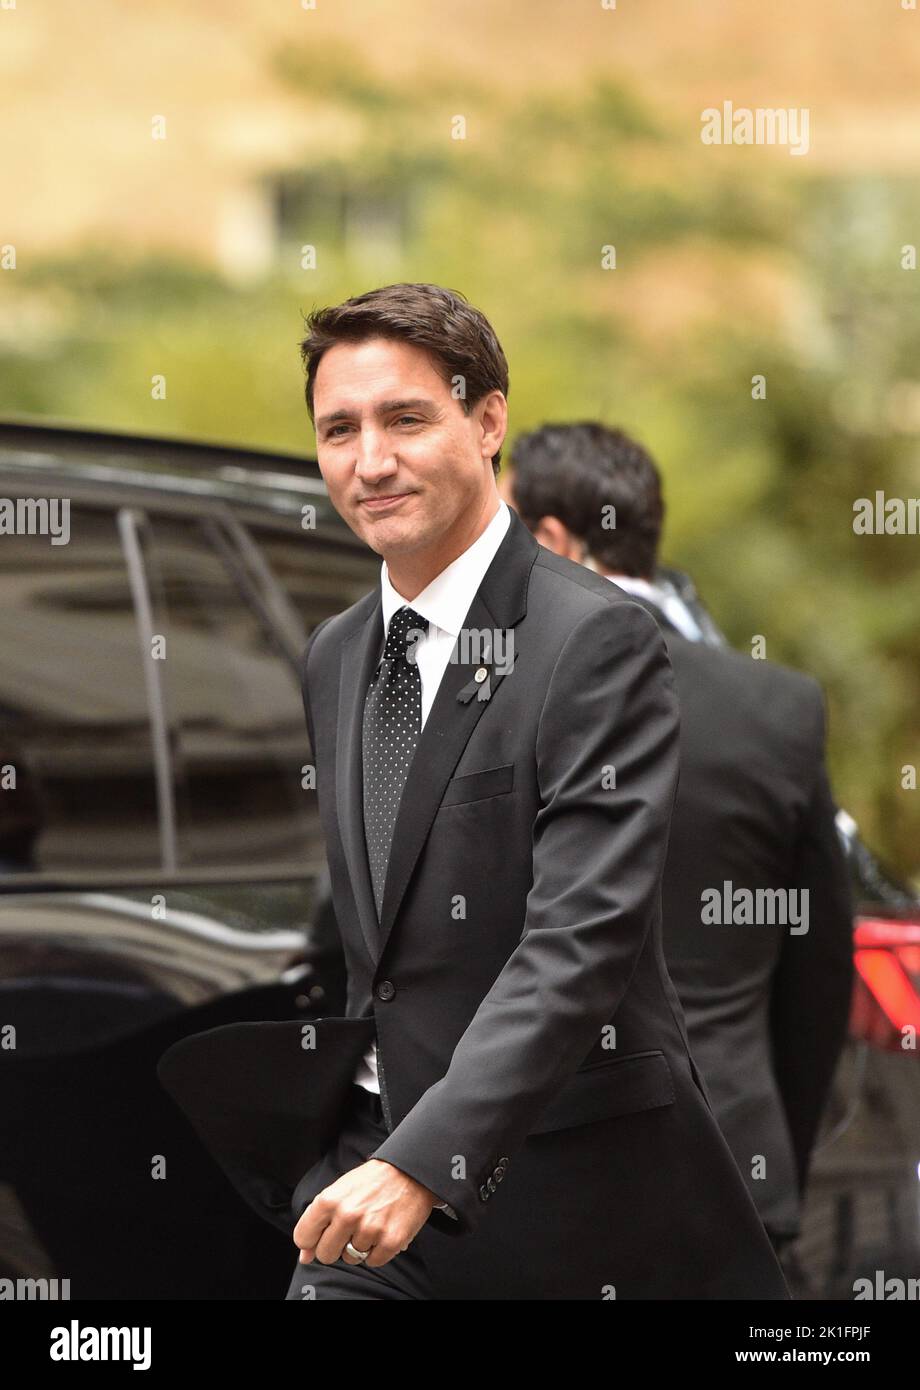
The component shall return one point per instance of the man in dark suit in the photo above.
(509, 1109)
(496, 877)
(766, 1002)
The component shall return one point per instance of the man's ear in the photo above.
(493, 417)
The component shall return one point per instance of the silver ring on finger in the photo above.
(357, 1254)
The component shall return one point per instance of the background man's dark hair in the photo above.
(459, 340)
(573, 472)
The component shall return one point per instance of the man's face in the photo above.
(388, 426)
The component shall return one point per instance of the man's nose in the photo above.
(374, 456)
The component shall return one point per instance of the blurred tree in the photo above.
(726, 268)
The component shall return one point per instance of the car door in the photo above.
(159, 856)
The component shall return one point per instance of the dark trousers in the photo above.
(405, 1276)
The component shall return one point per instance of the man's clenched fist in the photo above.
(377, 1207)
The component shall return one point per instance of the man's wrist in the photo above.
(436, 1203)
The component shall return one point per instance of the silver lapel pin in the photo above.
(480, 686)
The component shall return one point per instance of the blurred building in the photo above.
(241, 177)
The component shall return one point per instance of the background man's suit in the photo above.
(520, 926)
(766, 1011)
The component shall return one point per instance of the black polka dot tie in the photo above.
(392, 724)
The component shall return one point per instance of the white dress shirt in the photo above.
(669, 604)
(445, 602)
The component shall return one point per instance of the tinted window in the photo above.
(73, 710)
(320, 579)
(234, 708)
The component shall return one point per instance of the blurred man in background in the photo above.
(766, 997)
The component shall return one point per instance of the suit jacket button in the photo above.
(385, 990)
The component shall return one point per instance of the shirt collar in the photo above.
(669, 604)
(446, 601)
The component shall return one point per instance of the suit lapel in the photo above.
(360, 653)
(499, 605)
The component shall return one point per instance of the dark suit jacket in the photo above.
(521, 920)
(766, 1010)
(520, 938)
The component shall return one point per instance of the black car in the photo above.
(161, 861)
(162, 870)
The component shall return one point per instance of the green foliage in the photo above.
(730, 264)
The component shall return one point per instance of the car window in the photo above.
(76, 785)
(320, 579)
(234, 709)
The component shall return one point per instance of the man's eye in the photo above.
(408, 420)
(331, 433)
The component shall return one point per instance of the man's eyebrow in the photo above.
(330, 419)
(383, 408)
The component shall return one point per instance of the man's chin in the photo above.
(391, 537)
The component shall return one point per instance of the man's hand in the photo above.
(377, 1207)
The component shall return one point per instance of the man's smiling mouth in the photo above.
(384, 503)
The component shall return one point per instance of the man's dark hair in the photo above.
(574, 472)
(459, 340)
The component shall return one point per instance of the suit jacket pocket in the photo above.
(602, 1090)
(475, 786)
